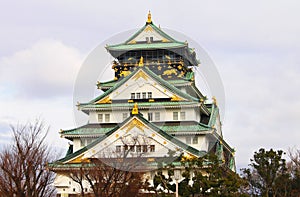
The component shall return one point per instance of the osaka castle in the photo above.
(151, 109)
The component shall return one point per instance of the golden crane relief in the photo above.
(170, 72)
(124, 73)
(104, 100)
(175, 98)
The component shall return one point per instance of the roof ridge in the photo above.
(118, 84)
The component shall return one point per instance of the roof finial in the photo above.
(149, 21)
(135, 109)
(141, 63)
(214, 100)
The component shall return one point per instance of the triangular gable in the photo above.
(137, 82)
(135, 127)
(148, 31)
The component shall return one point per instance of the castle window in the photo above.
(131, 148)
(188, 140)
(138, 148)
(150, 116)
(145, 148)
(138, 95)
(107, 117)
(182, 115)
(151, 39)
(144, 95)
(118, 149)
(125, 147)
(100, 117)
(152, 148)
(149, 95)
(195, 140)
(157, 116)
(132, 95)
(175, 115)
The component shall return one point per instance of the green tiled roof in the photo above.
(170, 44)
(158, 30)
(86, 131)
(97, 131)
(182, 128)
(109, 84)
(159, 45)
(213, 115)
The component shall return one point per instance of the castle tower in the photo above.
(150, 107)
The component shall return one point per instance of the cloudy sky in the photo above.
(255, 46)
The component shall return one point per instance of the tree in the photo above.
(203, 176)
(114, 174)
(105, 180)
(268, 175)
(294, 170)
(207, 176)
(23, 171)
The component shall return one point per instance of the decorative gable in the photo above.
(137, 136)
(149, 35)
(141, 85)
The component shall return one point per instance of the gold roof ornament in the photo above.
(214, 100)
(135, 109)
(141, 63)
(149, 18)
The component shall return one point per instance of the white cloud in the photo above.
(46, 69)
(37, 83)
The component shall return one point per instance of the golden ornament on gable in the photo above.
(175, 98)
(169, 72)
(148, 29)
(124, 73)
(140, 74)
(135, 123)
(105, 100)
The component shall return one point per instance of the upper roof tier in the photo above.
(152, 38)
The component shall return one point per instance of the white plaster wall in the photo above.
(191, 114)
(65, 185)
(202, 142)
(76, 144)
(139, 86)
(148, 33)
